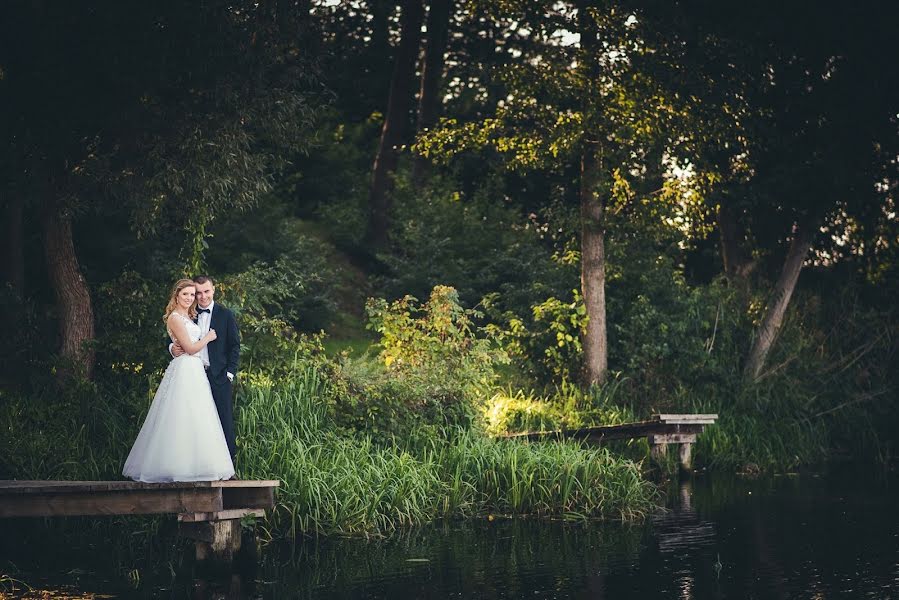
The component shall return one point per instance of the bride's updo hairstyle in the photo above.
(173, 299)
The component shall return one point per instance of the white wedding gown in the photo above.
(181, 438)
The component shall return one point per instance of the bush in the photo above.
(431, 372)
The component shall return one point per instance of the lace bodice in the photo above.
(193, 330)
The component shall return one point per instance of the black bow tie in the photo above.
(202, 310)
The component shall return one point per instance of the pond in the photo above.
(810, 536)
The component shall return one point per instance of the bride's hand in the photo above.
(211, 335)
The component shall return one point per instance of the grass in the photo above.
(334, 483)
(561, 479)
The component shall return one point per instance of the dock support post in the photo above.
(217, 535)
(658, 449)
(215, 542)
(686, 457)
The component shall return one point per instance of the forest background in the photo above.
(440, 221)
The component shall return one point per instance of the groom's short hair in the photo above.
(201, 279)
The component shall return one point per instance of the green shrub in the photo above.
(432, 370)
(436, 343)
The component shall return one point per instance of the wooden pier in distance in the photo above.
(660, 431)
(209, 512)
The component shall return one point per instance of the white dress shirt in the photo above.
(203, 320)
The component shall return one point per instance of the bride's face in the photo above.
(186, 297)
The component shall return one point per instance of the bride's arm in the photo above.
(179, 330)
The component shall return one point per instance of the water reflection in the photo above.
(787, 537)
(502, 559)
(232, 588)
(680, 529)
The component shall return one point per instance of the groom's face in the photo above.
(205, 293)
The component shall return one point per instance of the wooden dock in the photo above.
(208, 512)
(660, 431)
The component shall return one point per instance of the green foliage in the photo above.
(551, 339)
(500, 251)
(568, 407)
(81, 432)
(554, 478)
(435, 342)
(392, 409)
(431, 371)
(131, 336)
(337, 197)
(278, 265)
(348, 484)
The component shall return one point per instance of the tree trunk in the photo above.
(780, 300)
(593, 251)
(593, 269)
(431, 75)
(737, 264)
(14, 254)
(395, 121)
(13, 258)
(380, 27)
(73, 301)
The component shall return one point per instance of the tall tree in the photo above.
(396, 120)
(586, 93)
(73, 300)
(592, 209)
(803, 236)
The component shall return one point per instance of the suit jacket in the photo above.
(224, 351)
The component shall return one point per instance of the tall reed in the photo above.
(334, 482)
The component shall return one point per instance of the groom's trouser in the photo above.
(221, 393)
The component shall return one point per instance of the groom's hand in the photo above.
(177, 350)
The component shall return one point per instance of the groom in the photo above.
(221, 355)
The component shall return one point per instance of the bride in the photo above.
(181, 438)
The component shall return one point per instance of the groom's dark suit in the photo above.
(224, 356)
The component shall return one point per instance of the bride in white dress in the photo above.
(181, 438)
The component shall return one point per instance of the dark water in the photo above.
(834, 536)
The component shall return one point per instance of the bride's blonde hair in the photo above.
(173, 299)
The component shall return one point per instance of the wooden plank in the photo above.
(620, 432)
(13, 486)
(705, 419)
(31, 487)
(608, 431)
(250, 483)
(133, 502)
(673, 438)
(248, 497)
(603, 433)
(665, 416)
(237, 513)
